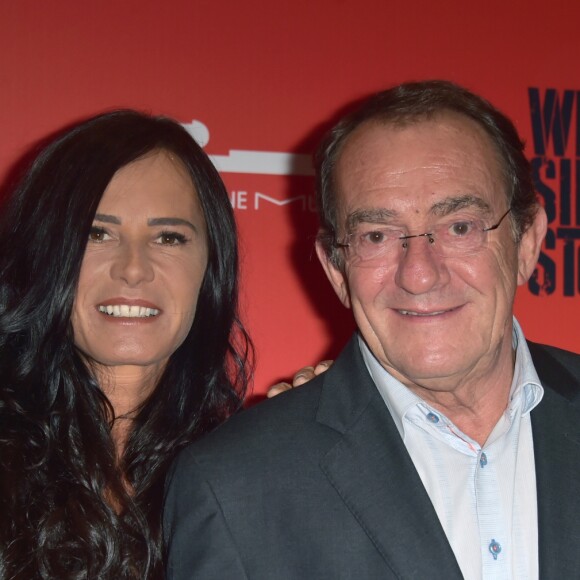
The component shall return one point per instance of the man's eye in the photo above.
(171, 239)
(375, 237)
(460, 229)
(380, 237)
(97, 234)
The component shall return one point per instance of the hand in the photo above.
(302, 376)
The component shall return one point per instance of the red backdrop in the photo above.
(264, 77)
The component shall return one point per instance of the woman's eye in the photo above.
(171, 239)
(97, 234)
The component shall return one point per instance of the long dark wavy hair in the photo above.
(66, 511)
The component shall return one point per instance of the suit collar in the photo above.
(372, 472)
(340, 404)
(556, 430)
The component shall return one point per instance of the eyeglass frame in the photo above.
(430, 236)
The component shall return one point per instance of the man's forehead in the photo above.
(449, 151)
(462, 124)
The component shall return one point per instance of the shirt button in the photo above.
(494, 549)
(483, 460)
(433, 418)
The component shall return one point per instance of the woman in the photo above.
(119, 342)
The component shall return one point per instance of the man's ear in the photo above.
(335, 275)
(530, 245)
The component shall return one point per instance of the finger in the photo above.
(303, 376)
(277, 389)
(322, 366)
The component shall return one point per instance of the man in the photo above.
(440, 444)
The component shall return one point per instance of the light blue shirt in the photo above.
(485, 497)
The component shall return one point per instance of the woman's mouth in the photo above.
(127, 310)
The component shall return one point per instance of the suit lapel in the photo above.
(373, 474)
(556, 429)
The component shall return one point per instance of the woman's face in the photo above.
(143, 267)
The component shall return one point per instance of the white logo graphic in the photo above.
(258, 162)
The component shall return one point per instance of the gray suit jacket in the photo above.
(317, 484)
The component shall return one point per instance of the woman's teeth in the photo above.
(126, 311)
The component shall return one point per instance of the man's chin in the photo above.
(428, 368)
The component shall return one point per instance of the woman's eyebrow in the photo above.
(109, 219)
(165, 221)
(170, 221)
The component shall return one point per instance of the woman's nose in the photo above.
(132, 265)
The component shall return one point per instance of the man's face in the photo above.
(430, 320)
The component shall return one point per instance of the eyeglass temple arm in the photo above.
(491, 228)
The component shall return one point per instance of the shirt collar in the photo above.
(399, 399)
(526, 378)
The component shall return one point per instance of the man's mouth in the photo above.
(414, 313)
(127, 311)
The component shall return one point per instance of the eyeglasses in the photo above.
(449, 239)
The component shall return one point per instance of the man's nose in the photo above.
(420, 269)
(132, 265)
